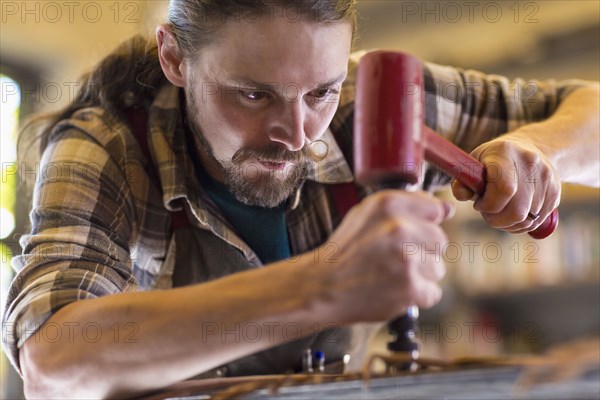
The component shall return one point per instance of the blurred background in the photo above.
(507, 294)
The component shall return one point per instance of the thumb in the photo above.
(461, 192)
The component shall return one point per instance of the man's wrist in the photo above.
(313, 280)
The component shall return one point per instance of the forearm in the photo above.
(570, 138)
(179, 333)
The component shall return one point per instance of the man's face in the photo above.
(258, 94)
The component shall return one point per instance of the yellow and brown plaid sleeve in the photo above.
(83, 218)
(471, 108)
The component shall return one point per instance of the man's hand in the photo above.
(525, 167)
(520, 180)
(389, 256)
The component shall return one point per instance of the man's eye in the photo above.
(255, 95)
(323, 93)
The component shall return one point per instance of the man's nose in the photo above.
(288, 126)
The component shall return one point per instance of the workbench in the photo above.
(479, 383)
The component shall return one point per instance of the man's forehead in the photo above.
(244, 80)
(280, 51)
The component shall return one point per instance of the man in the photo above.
(236, 111)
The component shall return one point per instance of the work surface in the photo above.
(567, 371)
(500, 382)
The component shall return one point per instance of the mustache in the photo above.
(272, 153)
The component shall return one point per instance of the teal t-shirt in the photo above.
(263, 229)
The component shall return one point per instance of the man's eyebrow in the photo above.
(273, 86)
(339, 79)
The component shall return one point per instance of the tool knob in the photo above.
(405, 328)
(547, 228)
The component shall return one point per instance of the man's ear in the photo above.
(168, 54)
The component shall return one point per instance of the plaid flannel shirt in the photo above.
(101, 226)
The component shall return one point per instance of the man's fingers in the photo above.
(461, 192)
(427, 293)
(397, 203)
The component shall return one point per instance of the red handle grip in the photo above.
(470, 172)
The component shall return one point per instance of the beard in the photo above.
(245, 177)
